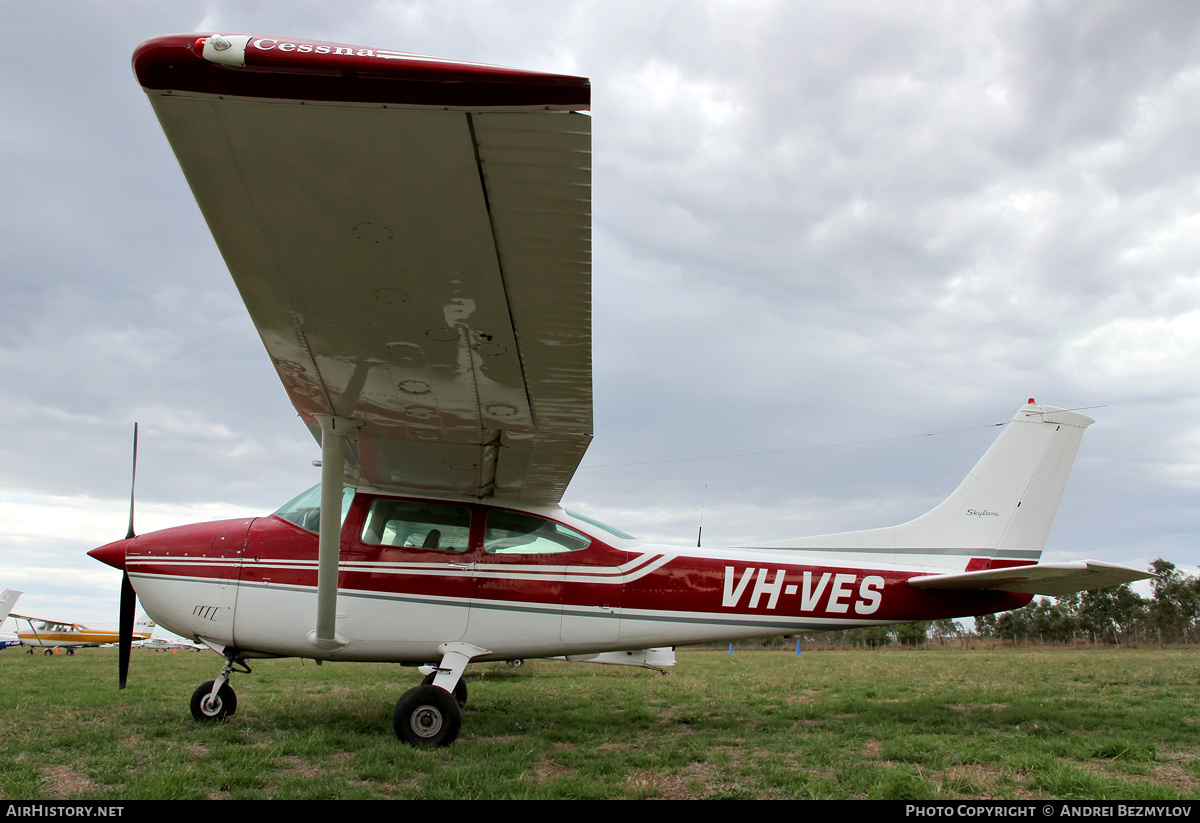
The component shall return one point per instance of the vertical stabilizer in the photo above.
(7, 600)
(1009, 499)
(1003, 509)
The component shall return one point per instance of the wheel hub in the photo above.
(427, 721)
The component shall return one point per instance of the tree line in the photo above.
(1113, 616)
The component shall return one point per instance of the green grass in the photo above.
(938, 724)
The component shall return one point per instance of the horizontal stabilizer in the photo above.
(1050, 579)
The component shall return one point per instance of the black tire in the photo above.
(516, 663)
(49, 652)
(460, 689)
(427, 716)
(222, 707)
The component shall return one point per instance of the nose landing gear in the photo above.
(215, 699)
(212, 702)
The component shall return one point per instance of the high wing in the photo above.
(1051, 579)
(412, 238)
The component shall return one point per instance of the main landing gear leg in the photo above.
(215, 699)
(460, 688)
(431, 714)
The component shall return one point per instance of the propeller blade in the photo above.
(125, 640)
(129, 535)
(128, 595)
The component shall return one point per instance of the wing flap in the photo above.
(1050, 579)
(422, 270)
(536, 168)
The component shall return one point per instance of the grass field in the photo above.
(940, 724)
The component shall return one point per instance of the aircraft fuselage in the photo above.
(519, 583)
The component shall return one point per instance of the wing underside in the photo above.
(422, 269)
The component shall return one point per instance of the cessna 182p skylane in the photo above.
(412, 239)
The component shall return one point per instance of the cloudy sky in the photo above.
(821, 234)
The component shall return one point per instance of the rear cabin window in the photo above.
(418, 525)
(520, 533)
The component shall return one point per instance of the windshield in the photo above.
(305, 509)
(599, 525)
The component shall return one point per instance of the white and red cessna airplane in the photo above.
(412, 239)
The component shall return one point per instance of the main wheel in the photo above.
(48, 652)
(427, 716)
(460, 688)
(206, 707)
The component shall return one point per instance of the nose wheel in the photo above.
(215, 699)
(210, 704)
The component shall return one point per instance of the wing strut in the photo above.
(335, 432)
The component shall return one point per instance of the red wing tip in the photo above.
(292, 68)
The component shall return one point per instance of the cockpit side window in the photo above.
(519, 533)
(427, 526)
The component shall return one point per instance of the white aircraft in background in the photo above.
(8, 599)
(412, 239)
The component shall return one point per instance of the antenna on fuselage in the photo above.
(700, 531)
